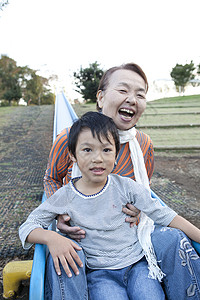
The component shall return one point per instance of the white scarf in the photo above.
(146, 225)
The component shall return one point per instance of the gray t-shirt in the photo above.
(110, 243)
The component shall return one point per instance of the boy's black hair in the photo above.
(99, 124)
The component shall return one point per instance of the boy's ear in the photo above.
(72, 157)
(100, 95)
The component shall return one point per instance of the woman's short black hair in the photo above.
(100, 126)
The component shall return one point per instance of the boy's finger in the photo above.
(65, 266)
(56, 265)
(75, 246)
(72, 264)
(77, 259)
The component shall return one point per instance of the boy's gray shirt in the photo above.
(110, 243)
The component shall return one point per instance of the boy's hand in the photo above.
(133, 212)
(64, 250)
(75, 233)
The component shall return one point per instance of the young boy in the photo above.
(94, 202)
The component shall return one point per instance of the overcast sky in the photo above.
(59, 36)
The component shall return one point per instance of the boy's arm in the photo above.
(61, 248)
(188, 228)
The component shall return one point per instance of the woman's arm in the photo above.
(58, 164)
(61, 248)
(188, 228)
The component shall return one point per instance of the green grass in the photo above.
(5, 113)
(168, 119)
(174, 136)
(171, 110)
(193, 99)
(80, 109)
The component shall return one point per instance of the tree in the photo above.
(33, 88)
(3, 3)
(198, 69)
(48, 98)
(36, 90)
(17, 82)
(182, 74)
(10, 77)
(87, 81)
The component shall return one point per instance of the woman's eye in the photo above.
(123, 91)
(141, 96)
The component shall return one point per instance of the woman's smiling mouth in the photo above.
(126, 113)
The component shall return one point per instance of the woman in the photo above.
(121, 96)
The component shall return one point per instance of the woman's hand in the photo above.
(63, 250)
(133, 212)
(75, 233)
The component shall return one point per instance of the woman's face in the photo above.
(124, 100)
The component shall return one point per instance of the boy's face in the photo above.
(95, 159)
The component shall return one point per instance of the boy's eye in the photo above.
(107, 150)
(87, 150)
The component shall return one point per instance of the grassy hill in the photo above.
(172, 123)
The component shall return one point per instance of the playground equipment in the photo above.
(13, 273)
(64, 116)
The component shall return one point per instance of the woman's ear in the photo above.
(72, 157)
(100, 95)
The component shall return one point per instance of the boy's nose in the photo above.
(97, 157)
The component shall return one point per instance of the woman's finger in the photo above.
(133, 220)
(77, 236)
(130, 210)
(75, 233)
